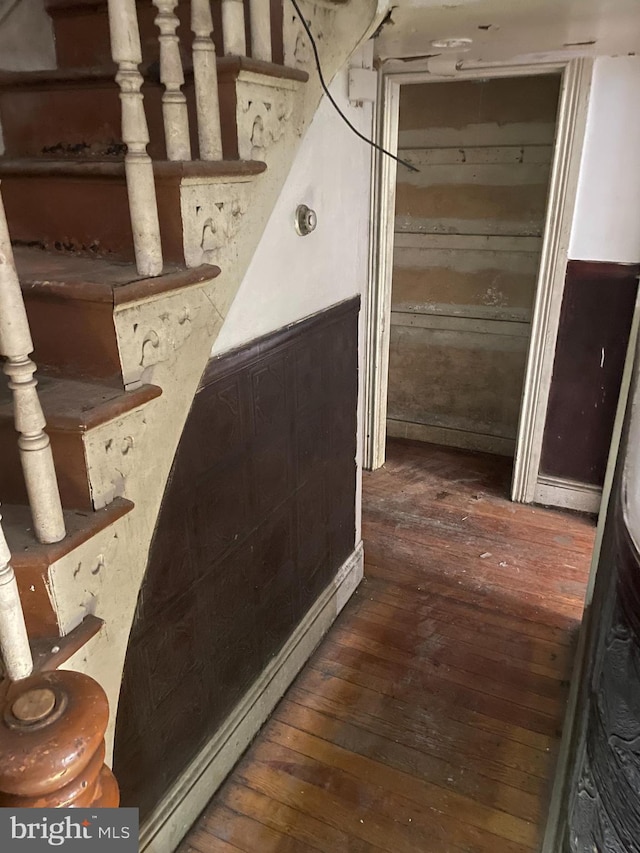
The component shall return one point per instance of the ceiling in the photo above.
(504, 30)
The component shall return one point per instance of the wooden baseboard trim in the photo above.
(567, 494)
(451, 437)
(179, 808)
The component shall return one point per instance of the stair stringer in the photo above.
(167, 341)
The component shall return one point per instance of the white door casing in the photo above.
(570, 129)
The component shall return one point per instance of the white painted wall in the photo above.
(606, 225)
(292, 277)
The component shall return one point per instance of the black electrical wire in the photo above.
(334, 104)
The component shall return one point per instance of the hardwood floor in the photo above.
(429, 719)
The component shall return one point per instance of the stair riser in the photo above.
(84, 120)
(86, 214)
(69, 458)
(38, 610)
(82, 34)
(73, 337)
(74, 120)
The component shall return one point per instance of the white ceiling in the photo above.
(505, 30)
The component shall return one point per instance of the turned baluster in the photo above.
(205, 75)
(174, 103)
(143, 208)
(14, 641)
(260, 16)
(33, 442)
(233, 35)
(52, 748)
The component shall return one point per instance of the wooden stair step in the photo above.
(50, 653)
(78, 293)
(71, 408)
(31, 559)
(82, 205)
(76, 112)
(81, 29)
(50, 78)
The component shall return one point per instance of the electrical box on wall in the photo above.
(363, 85)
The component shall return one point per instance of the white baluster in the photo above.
(233, 35)
(33, 442)
(260, 11)
(205, 74)
(174, 103)
(143, 208)
(14, 641)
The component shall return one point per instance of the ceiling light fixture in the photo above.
(452, 43)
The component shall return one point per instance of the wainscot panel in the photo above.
(257, 518)
(595, 322)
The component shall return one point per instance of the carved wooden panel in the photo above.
(257, 518)
(604, 812)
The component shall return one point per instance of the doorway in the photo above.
(467, 246)
(469, 256)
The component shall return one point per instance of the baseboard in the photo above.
(179, 808)
(567, 494)
(451, 437)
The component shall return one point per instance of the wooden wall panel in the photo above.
(595, 321)
(469, 379)
(258, 516)
(468, 238)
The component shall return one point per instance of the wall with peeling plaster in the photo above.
(36, 50)
(468, 238)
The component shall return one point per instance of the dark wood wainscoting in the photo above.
(595, 323)
(258, 516)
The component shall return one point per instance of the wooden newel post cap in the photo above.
(52, 728)
(35, 705)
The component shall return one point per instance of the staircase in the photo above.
(129, 254)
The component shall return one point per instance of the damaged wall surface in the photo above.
(467, 249)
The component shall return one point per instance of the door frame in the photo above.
(576, 77)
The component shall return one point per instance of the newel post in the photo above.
(52, 748)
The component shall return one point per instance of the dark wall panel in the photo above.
(604, 800)
(258, 516)
(595, 322)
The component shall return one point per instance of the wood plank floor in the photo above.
(429, 719)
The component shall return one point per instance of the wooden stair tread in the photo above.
(53, 167)
(28, 553)
(231, 66)
(228, 66)
(56, 76)
(75, 276)
(50, 653)
(79, 405)
(52, 5)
